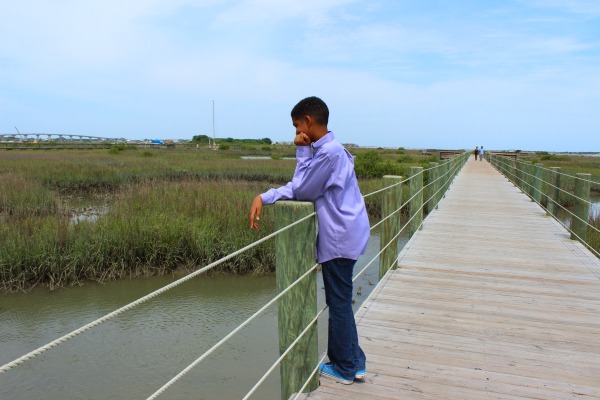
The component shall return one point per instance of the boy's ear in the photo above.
(308, 120)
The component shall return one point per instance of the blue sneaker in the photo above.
(327, 371)
(360, 374)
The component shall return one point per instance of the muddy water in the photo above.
(134, 354)
(594, 211)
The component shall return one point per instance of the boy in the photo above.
(326, 177)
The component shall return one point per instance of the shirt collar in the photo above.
(325, 139)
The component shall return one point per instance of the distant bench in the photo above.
(511, 154)
(449, 153)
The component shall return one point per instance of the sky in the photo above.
(507, 75)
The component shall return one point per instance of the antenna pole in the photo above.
(213, 119)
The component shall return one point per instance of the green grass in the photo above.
(168, 209)
(571, 165)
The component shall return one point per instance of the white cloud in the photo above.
(590, 8)
(393, 72)
(258, 12)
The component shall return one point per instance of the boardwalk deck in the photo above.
(492, 300)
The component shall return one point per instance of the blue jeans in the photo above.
(343, 350)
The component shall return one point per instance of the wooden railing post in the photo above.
(529, 180)
(416, 204)
(520, 174)
(439, 171)
(553, 190)
(582, 207)
(431, 193)
(538, 174)
(444, 181)
(294, 255)
(392, 201)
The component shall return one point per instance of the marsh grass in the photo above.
(154, 227)
(169, 210)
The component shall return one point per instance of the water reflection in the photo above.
(594, 210)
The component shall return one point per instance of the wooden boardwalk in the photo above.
(492, 300)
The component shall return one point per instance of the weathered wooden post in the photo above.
(452, 168)
(294, 255)
(515, 172)
(448, 174)
(437, 185)
(553, 190)
(392, 201)
(431, 193)
(538, 173)
(520, 175)
(416, 204)
(529, 179)
(582, 207)
(444, 181)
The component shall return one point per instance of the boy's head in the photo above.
(311, 106)
(311, 116)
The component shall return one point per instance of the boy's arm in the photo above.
(268, 197)
(308, 183)
(311, 175)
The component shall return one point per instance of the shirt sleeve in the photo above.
(312, 174)
(309, 180)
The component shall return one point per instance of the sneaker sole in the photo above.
(338, 380)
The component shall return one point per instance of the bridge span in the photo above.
(491, 300)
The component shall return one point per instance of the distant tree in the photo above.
(267, 140)
(201, 138)
(371, 165)
(229, 140)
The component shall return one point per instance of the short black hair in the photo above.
(313, 106)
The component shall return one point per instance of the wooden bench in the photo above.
(448, 153)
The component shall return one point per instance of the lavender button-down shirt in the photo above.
(326, 177)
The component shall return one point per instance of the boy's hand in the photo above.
(302, 139)
(255, 211)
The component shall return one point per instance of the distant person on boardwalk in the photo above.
(475, 152)
(481, 153)
(326, 177)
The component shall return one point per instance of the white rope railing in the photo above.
(530, 185)
(564, 174)
(386, 188)
(231, 334)
(585, 221)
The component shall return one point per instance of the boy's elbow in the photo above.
(301, 194)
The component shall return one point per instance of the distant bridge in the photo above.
(37, 137)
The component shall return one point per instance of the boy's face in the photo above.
(301, 125)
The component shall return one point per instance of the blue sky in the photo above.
(521, 74)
